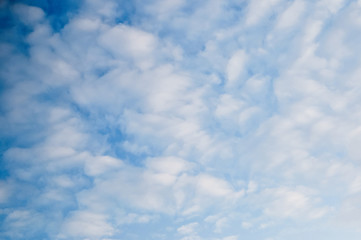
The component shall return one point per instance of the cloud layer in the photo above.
(220, 120)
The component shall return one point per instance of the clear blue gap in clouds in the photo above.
(174, 119)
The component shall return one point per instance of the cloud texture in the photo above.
(189, 120)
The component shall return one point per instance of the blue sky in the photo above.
(184, 120)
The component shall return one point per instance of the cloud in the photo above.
(287, 203)
(230, 238)
(28, 14)
(257, 10)
(133, 43)
(290, 16)
(5, 191)
(179, 120)
(212, 186)
(169, 165)
(235, 66)
(21, 223)
(187, 229)
(87, 224)
(348, 215)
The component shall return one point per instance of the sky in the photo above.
(180, 120)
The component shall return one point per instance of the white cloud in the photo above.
(101, 164)
(104, 9)
(355, 185)
(236, 66)
(212, 186)
(165, 9)
(130, 42)
(28, 14)
(220, 224)
(259, 9)
(171, 165)
(252, 187)
(349, 213)
(86, 224)
(5, 191)
(22, 223)
(86, 24)
(353, 141)
(191, 238)
(291, 15)
(227, 106)
(247, 225)
(233, 237)
(333, 6)
(287, 203)
(188, 229)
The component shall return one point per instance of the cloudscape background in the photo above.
(184, 120)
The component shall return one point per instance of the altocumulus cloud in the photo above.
(174, 119)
